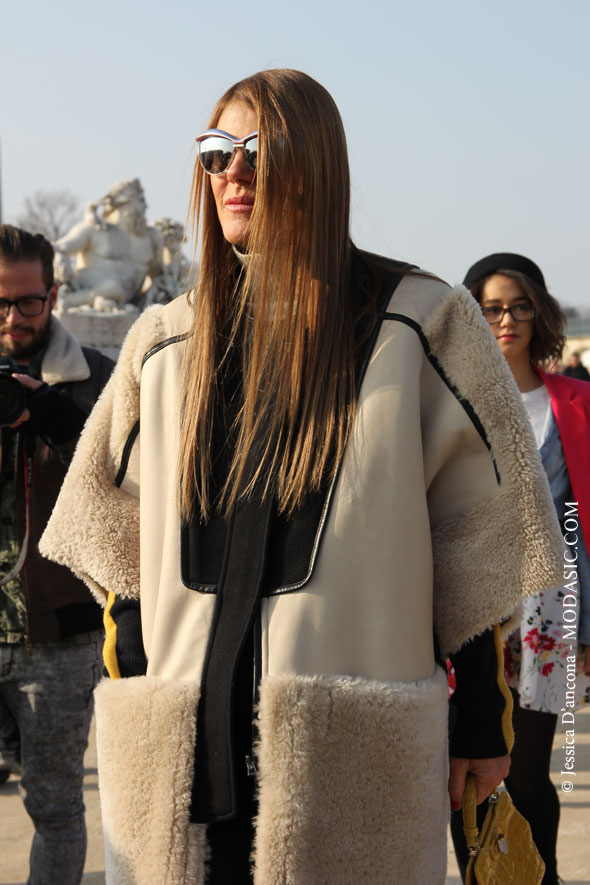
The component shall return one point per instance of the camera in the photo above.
(13, 396)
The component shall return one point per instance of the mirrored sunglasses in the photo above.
(217, 149)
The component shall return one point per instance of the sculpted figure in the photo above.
(115, 250)
(175, 268)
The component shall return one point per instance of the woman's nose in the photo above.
(238, 169)
(507, 319)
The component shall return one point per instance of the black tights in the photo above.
(529, 785)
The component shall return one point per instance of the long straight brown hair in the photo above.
(288, 307)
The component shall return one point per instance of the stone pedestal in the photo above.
(95, 328)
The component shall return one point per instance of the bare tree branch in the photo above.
(51, 213)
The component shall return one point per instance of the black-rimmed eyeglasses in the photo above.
(217, 149)
(29, 306)
(520, 313)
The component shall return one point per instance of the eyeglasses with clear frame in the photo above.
(28, 306)
(217, 150)
(520, 313)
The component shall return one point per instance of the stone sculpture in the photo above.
(113, 264)
(115, 250)
(174, 275)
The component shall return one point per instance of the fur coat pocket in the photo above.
(145, 743)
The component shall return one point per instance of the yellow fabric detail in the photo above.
(109, 651)
(507, 730)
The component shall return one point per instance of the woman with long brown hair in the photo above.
(298, 533)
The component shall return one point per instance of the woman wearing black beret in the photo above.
(541, 663)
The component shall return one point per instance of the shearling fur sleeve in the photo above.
(504, 543)
(94, 527)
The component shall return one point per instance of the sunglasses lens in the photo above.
(251, 152)
(215, 153)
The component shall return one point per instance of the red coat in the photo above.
(570, 402)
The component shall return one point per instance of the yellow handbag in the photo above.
(505, 853)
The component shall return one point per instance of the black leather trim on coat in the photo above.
(466, 405)
(133, 434)
(175, 339)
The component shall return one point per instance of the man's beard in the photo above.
(23, 350)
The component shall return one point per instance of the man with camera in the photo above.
(50, 627)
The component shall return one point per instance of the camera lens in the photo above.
(13, 399)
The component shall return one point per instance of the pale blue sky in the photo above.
(467, 122)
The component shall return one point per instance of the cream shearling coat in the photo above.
(440, 516)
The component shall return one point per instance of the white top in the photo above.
(538, 405)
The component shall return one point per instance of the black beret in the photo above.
(500, 261)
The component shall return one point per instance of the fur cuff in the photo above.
(94, 527)
(481, 572)
(353, 781)
(145, 741)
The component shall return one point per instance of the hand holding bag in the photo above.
(505, 853)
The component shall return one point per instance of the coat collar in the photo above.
(564, 388)
(63, 359)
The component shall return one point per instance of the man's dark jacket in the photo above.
(58, 605)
